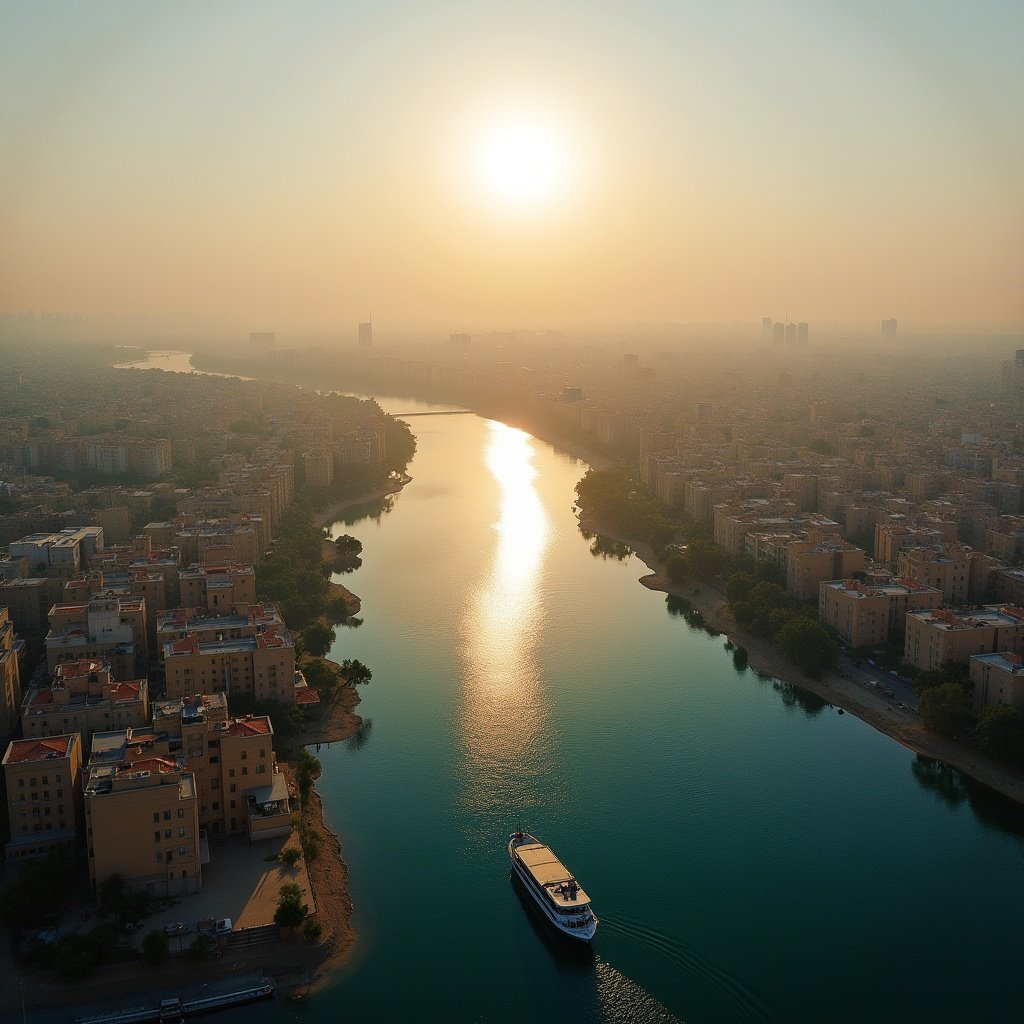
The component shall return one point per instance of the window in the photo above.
(167, 815)
(231, 773)
(181, 812)
(245, 757)
(263, 752)
(245, 771)
(181, 851)
(214, 783)
(232, 787)
(181, 833)
(159, 857)
(216, 805)
(156, 815)
(21, 783)
(156, 836)
(232, 808)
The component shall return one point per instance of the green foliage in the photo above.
(822, 446)
(291, 911)
(944, 709)
(621, 504)
(317, 638)
(74, 960)
(677, 568)
(355, 672)
(705, 558)
(738, 587)
(948, 672)
(1000, 734)
(308, 837)
(807, 643)
(312, 930)
(156, 947)
(39, 892)
(202, 947)
(307, 771)
(290, 855)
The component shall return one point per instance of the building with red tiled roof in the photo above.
(44, 794)
(84, 697)
(871, 613)
(942, 635)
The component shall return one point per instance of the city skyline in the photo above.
(476, 166)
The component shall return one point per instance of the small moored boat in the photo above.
(560, 897)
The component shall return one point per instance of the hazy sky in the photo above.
(466, 165)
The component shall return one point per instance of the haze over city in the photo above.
(522, 166)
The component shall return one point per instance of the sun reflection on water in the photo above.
(507, 739)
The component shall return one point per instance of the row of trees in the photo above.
(620, 502)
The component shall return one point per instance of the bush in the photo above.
(202, 947)
(156, 947)
(311, 930)
(291, 855)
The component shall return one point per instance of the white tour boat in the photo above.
(559, 896)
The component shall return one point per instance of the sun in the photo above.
(523, 160)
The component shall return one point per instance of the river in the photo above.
(753, 855)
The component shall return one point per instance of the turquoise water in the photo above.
(753, 855)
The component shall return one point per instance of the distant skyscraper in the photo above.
(778, 333)
(766, 329)
(889, 328)
(801, 332)
(459, 339)
(262, 339)
(791, 335)
(366, 334)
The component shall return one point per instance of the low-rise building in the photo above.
(10, 680)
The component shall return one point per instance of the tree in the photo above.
(738, 587)
(1001, 733)
(944, 709)
(317, 638)
(290, 855)
(807, 644)
(677, 568)
(355, 672)
(291, 911)
(706, 558)
(156, 947)
(202, 947)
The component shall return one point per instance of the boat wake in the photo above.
(747, 1004)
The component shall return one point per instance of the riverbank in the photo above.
(897, 724)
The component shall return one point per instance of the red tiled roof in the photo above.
(21, 751)
(307, 696)
(249, 726)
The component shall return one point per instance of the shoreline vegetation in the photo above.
(904, 727)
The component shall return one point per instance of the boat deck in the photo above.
(550, 873)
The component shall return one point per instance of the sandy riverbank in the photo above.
(902, 726)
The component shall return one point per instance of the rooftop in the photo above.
(49, 749)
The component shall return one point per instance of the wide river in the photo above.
(753, 855)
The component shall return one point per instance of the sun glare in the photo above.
(523, 161)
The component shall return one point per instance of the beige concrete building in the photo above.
(810, 564)
(217, 587)
(84, 697)
(945, 567)
(940, 635)
(29, 601)
(106, 628)
(142, 822)
(261, 666)
(241, 788)
(319, 467)
(10, 680)
(235, 621)
(998, 679)
(864, 614)
(44, 794)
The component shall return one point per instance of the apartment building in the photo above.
(810, 563)
(234, 622)
(216, 588)
(998, 679)
(945, 566)
(142, 819)
(10, 680)
(110, 629)
(319, 467)
(29, 601)
(240, 785)
(865, 613)
(42, 778)
(84, 697)
(940, 635)
(261, 666)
